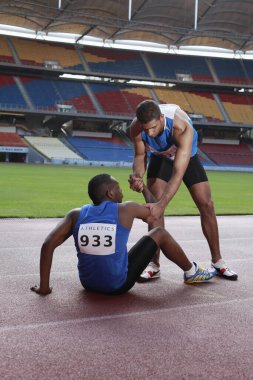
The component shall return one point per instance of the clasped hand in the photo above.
(136, 183)
(156, 212)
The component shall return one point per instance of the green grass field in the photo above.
(41, 191)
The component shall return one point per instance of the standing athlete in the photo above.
(167, 133)
(100, 232)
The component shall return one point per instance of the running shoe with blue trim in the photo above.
(201, 275)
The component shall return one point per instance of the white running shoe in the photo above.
(223, 270)
(152, 271)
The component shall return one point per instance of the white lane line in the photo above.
(117, 316)
(36, 274)
(131, 243)
(164, 265)
(37, 248)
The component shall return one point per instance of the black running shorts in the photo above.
(139, 257)
(160, 167)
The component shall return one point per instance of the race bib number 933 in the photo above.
(97, 238)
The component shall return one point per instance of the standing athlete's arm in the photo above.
(140, 155)
(148, 196)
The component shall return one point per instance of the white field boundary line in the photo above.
(109, 317)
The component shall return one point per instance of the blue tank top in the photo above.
(101, 244)
(164, 144)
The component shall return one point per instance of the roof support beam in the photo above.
(129, 10)
(196, 15)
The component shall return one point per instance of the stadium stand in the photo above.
(204, 103)
(12, 148)
(119, 100)
(10, 96)
(172, 66)
(135, 95)
(112, 101)
(11, 139)
(223, 154)
(173, 97)
(112, 61)
(42, 92)
(229, 70)
(238, 107)
(53, 149)
(97, 149)
(47, 94)
(73, 92)
(201, 103)
(41, 53)
(205, 160)
(5, 53)
(248, 70)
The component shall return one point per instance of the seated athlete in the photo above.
(101, 232)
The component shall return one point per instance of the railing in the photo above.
(80, 162)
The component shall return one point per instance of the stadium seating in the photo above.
(95, 149)
(46, 94)
(248, 70)
(52, 148)
(204, 103)
(239, 107)
(201, 103)
(229, 70)
(41, 92)
(114, 61)
(170, 66)
(73, 92)
(5, 53)
(36, 53)
(223, 154)
(11, 140)
(119, 100)
(10, 96)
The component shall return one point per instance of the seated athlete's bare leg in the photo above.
(201, 194)
(170, 248)
(156, 186)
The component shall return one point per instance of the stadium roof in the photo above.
(218, 23)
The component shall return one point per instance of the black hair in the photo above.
(147, 111)
(98, 187)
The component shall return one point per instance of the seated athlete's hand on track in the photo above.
(135, 183)
(42, 292)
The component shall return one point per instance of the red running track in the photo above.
(160, 330)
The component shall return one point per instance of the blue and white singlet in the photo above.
(101, 244)
(164, 144)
